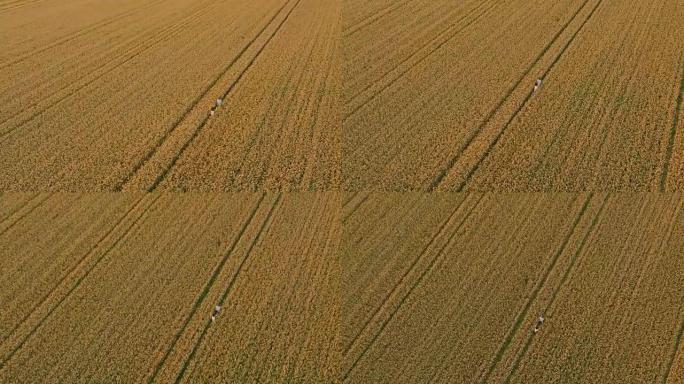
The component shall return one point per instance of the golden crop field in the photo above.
(120, 288)
(116, 95)
(448, 288)
(439, 95)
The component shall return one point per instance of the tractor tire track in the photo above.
(3, 231)
(264, 226)
(76, 265)
(416, 63)
(411, 267)
(521, 315)
(127, 56)
(197, 100)
(573, 260)
(20, 207)
(14, 350)
(207, 288)
(80, 33)
(366, 21)
(197, 131)
(452, 161)
(356, 206)
(673, 132)
(498, 136)
(422, 275)
(673, 355)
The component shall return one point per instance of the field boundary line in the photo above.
(207, 287)
(673, 132)
(197, 100)
(9, 356)
(134, 50)
(30, 210)
(447, 31)
(523, 313)
(452, 161)
(79, 33)
(226, 292)
(74, 267)
(423, 273)
(573, 260)
(498, 136)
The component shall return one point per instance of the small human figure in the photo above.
(540, 322)
(537, 84)
(215, 313)
(211, 113)
(219, 101)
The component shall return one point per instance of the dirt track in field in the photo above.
(446, 288)
(116, 96)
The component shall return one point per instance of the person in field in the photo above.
(540, 322)
(537, 84)
(219, 101)
(215, 313)
(211, 112)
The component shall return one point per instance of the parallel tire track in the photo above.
(2, 232)
(196, 101)
(80, 33)
(673, 133)
(498, 136)
(421, 59)
(127, 56)
(411, 267)
(424, 272)
(573, 260)
(199, 128)
(354, 208)
(522, 314)
(74, 267)
(207, 288)
(20, 207)
(452, 161)
(366, 21)
(673, 355)
(226, 292)
(6, 358)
